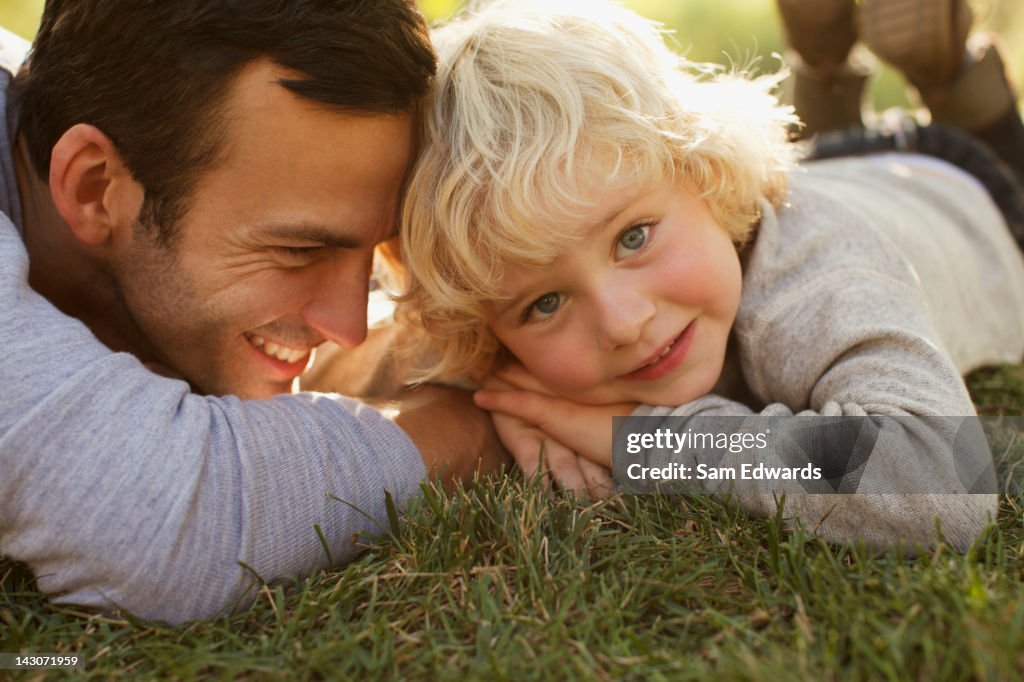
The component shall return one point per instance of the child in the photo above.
(611, 230)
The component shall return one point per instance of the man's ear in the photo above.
(92, 189)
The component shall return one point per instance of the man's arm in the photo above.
(120, 488)
(455, 438)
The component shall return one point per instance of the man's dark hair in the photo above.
(153, 75)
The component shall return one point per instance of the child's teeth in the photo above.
(661, 354)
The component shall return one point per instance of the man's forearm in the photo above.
(454, 437)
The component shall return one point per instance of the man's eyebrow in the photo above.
(312, 233)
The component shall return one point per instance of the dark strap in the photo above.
(941, 141)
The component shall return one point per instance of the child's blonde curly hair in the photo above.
(535, 105)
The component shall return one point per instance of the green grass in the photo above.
(496, 581)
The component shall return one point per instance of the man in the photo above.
(192, 192)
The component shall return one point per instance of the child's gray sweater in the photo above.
(870, 292)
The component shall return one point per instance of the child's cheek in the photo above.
(568, 370)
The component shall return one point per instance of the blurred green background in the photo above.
(707, 30)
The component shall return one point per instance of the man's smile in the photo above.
(286, 360)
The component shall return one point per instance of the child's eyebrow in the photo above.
(502, 306)
(601, 224)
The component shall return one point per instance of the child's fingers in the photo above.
(564, 467)
(540, 410)
(597, 478)
(532, 450)
(523, 442)
(585, 429)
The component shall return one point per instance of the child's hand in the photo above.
(583, 429)
(532, 448)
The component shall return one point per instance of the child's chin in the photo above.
(597, 396)
(685, 390)
(693, 389)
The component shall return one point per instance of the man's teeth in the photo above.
(274, 350)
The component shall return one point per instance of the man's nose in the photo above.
(622, 314)
(337, 307)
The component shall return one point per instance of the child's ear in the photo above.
(92, 189)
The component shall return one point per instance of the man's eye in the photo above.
(544, 307)
(298, 252)
(632, 240)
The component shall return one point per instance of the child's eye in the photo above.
(632, 240)
(544, 307)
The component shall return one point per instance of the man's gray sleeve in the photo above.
(119, 488)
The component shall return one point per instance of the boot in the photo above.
(826, 87)
(924, 39)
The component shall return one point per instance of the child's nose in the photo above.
(622, 315)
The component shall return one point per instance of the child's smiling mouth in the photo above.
(667, 360)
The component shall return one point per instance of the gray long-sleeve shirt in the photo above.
(120, 488)
(870, 292)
